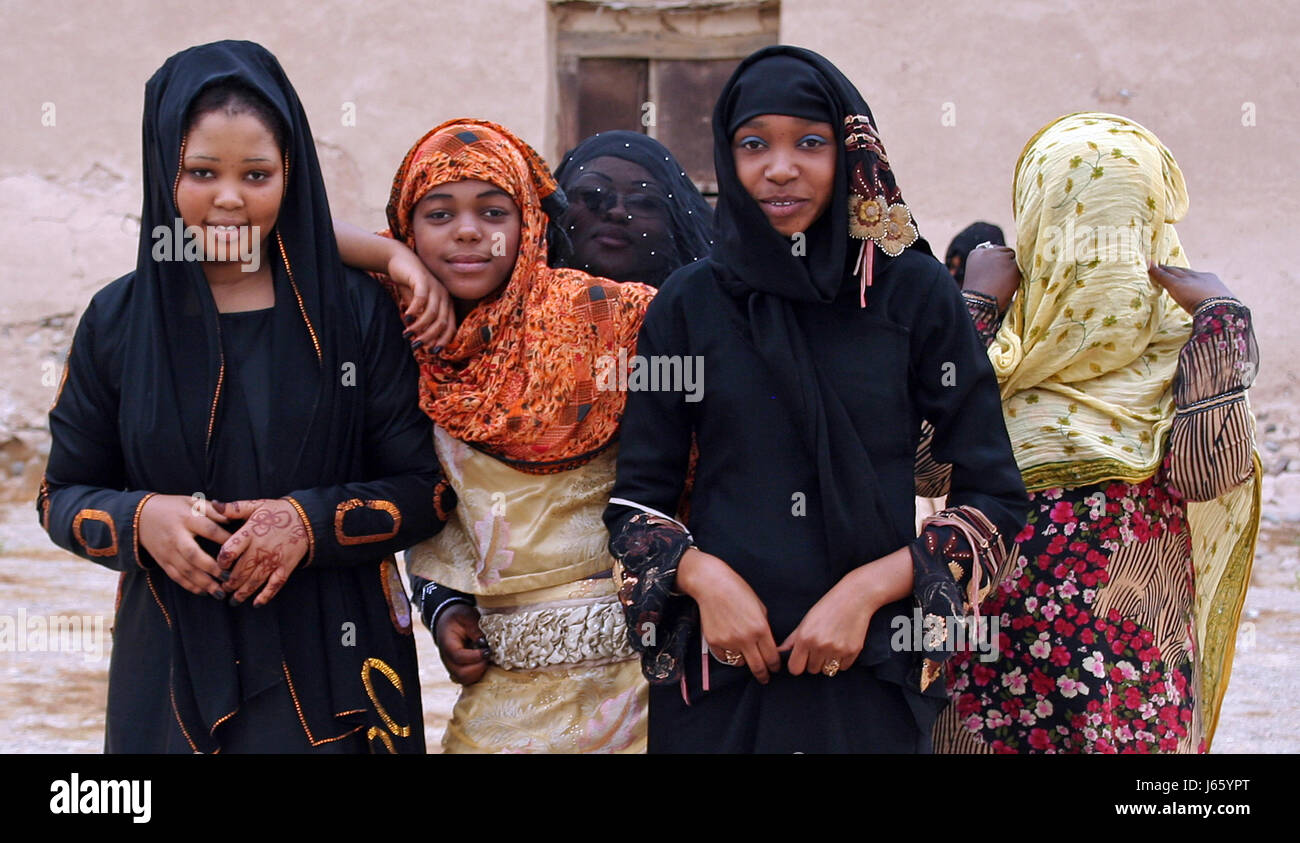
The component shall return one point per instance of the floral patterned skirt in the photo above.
(1096, 638)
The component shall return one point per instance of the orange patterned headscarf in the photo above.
(518, 380)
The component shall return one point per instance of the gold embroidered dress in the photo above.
(532, 549)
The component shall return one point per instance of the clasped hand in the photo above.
(259, 555)
(734, 621)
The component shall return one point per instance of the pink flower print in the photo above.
(1051, 610)
(1070, 688)
(1062, 513)
(1095, 664)
(1015, 680)
(1043, 708)
(616, 724)
(1040, 649)
(493, 535)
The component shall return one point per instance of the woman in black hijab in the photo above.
(633, 213)
(274, 380)
(965, 242)
(828, 332)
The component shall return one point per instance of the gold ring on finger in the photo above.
(731, 658)
(831, 667)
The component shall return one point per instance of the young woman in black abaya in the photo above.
(250, 381)
(827, 333)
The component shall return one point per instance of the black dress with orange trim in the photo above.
(329, 664)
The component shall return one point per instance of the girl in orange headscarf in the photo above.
(524, 425)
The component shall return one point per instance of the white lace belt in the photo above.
(547, 636)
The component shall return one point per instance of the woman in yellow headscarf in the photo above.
(1123, 380)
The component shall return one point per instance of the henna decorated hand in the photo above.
(265, 550)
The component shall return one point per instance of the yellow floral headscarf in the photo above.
(1088, 351)
(1087, 354)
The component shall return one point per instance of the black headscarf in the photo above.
(965, 242)
(173, 339)
(691, 218)
(757, 264)
(171, 388)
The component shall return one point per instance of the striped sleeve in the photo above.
(1213, 438)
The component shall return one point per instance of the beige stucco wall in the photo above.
(70, 192)
(1185, 70)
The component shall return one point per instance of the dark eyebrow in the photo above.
(494, 191)
(257, 160)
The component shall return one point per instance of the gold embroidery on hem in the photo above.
(375, 731)
(212, 730)
(347, 506)
(311, 739)
(102, 517)
(149, 580)
(171, 692)
(369, 665)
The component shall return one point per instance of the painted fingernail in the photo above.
(220, 595)
(235, 602)
(437, 348)
(219, 507)
(408, 333)
(225, 576)
(417, 343)
(408, 319)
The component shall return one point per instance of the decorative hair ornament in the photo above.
(877, 213)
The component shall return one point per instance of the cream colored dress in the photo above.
(563, 676)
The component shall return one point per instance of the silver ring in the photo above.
(987, 244)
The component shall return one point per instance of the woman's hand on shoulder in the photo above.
(992, 271)
(461, 644)
(168, 527)
(427, 307)
(264, 551)
(1188, 287)
(732, 618)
